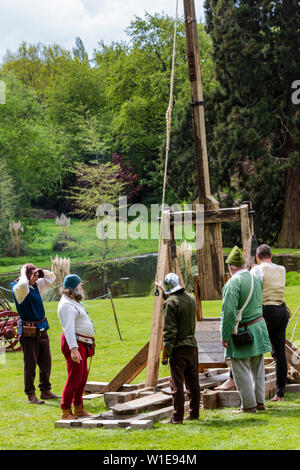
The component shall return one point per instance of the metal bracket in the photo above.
(197, 103)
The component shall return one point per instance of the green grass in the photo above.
(24, 426)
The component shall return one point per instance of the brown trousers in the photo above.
(184, 369)
(36, 352)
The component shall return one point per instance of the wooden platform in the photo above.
(211, 351)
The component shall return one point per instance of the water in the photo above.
(131, 277)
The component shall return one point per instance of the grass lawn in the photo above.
(24, 426)
(40, 234)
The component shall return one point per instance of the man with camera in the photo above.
(33, 326)
(244, 332)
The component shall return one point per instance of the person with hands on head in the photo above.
(180, 346)
(33, 325)
(77, 344)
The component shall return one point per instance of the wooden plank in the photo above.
(210, 346)
(140, 403)
(207, 336)
(229, 398)
(291, 388)
(210, 358)
(91, 396)
(95, 387)
(197, 294)
(155, 344)
(292, 354)
(130, 370)
(209, 324)
(68, 423)
(210, 399)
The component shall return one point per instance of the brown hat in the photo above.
(32, 269)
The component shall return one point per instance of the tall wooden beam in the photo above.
(210, 258)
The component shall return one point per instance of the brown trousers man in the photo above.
(36, 352)
(184, 369)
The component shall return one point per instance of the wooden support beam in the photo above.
(197, 293)
(155, 344)
(130, 371)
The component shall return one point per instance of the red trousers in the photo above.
(77, 375)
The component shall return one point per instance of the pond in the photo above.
(131, 277)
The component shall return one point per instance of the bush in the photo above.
(63, 242)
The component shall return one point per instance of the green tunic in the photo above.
(235, 293)
(179, 321)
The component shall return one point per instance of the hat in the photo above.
(71, 281)
(32, 269)
(171, 283)
(235, 257)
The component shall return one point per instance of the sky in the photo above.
(61, 21)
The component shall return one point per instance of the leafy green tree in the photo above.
(96, 184)
(31, 149)
(137, 82)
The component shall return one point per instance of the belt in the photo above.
(85, 339)
(251, 322)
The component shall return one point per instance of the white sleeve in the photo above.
(67, 315)
(46, 281)
(257, 272)
(21, 289)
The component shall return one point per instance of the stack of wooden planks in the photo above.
(136, 406)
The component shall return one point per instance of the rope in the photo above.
(168, 125)
(296, 324)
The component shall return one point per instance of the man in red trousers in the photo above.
(77, 344)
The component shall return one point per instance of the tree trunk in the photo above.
(290, 231)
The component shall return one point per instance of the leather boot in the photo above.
(67, 414)
(80, 412)
(33, 400)
(48, 395)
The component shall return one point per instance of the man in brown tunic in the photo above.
(179, 323)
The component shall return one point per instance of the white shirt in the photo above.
(74, 320)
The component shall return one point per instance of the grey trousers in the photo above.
(249, 377)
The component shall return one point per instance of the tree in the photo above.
(97, 184)
(137, 82)
(31, 149)
(253, 125)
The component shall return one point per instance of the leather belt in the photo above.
(85, 339)
(251, 322)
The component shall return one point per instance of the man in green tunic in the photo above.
(247, 361)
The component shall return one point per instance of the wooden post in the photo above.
(210, 258)
(156, 330)
(247, 232)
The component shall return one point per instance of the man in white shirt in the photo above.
(27, 291)
(275, 312)
(77, 344)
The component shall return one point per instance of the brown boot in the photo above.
(67, 414)
(33, 400)
(48, 395)
(80, 412)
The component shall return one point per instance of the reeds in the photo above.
(61, 268)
